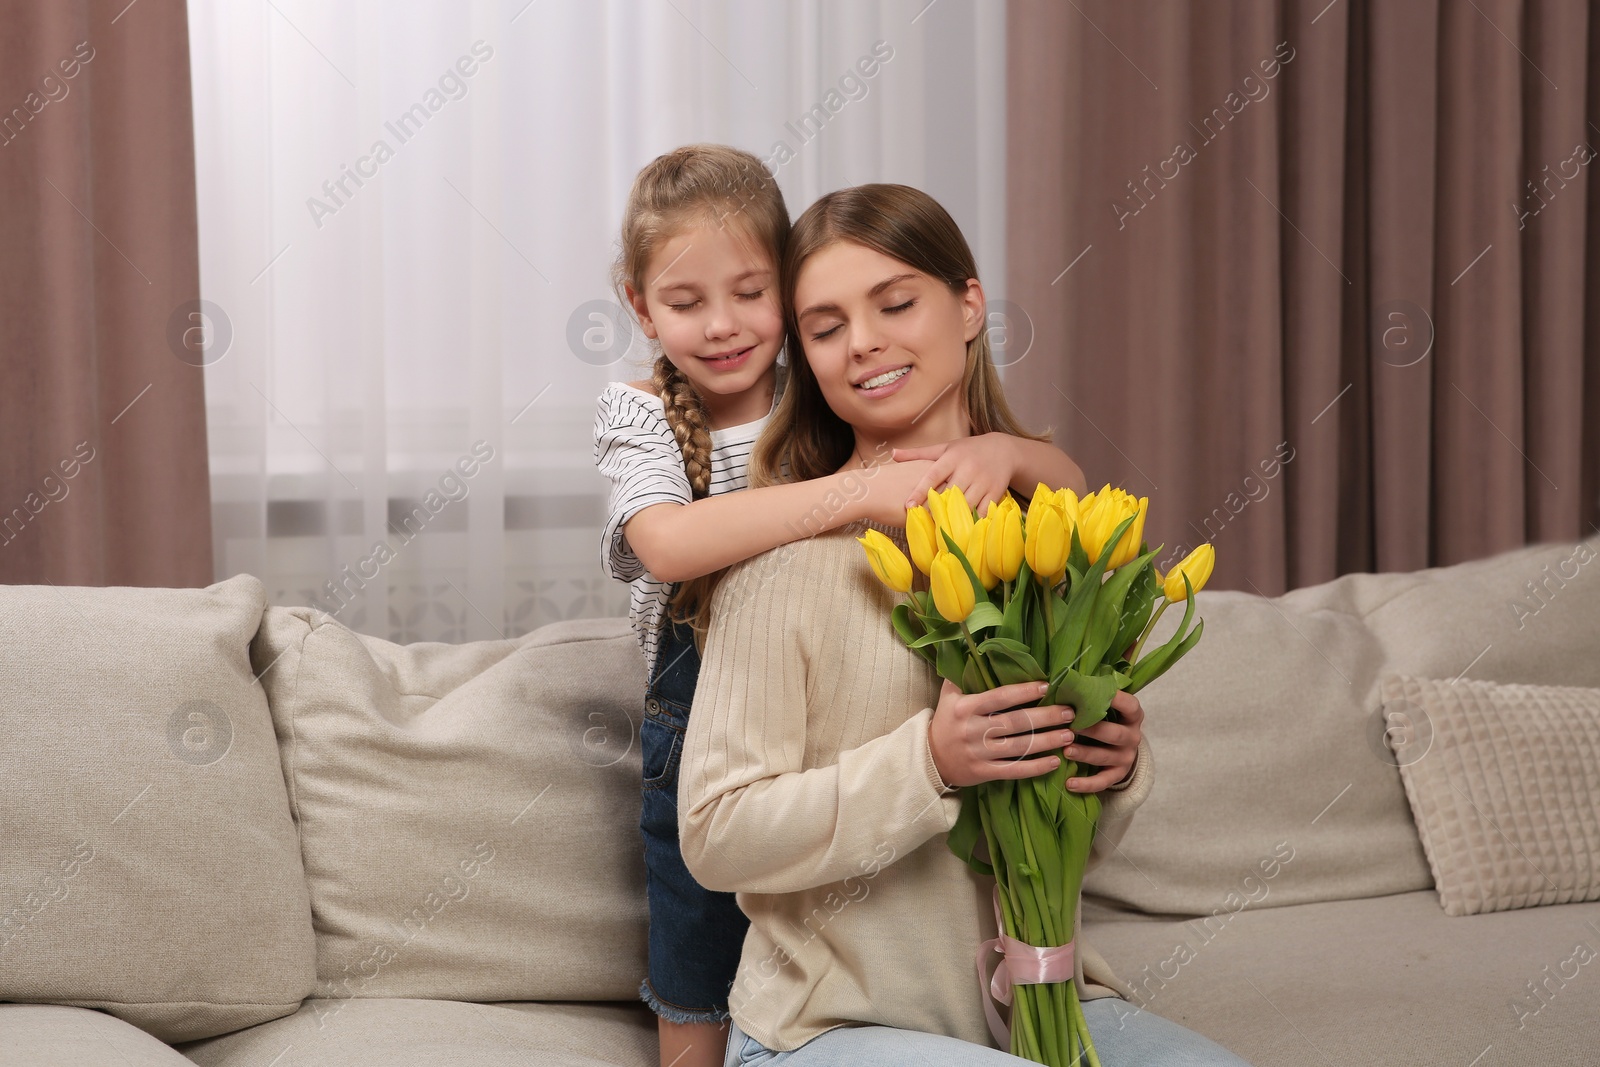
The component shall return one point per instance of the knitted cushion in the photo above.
(1504, 782)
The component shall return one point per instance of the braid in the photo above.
(686, 414)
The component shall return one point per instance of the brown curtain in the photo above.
(1314, 277)
(103, 473)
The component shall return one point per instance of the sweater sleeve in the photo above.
(634, 448)
(1118, 803)
(752, 817)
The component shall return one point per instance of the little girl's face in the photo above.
(867, 317)
(711, 298)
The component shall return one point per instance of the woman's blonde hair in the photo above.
(704, 184)
(804, 439)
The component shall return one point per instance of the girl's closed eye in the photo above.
(900, 307)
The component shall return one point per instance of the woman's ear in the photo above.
(973, 309)
(641, 311)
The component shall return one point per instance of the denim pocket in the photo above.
(753, 1051)
(660, 748)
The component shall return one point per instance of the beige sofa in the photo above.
(241, 835)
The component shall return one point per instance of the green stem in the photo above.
(1050, 1020)
(983, 668)
(1083, 1023)
(1151, 625)
(1074, 1039)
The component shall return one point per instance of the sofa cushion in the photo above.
(441, 1033)
(1529, 615)
(55, 1035)
(148, 864)
(1270, 732)
(1387, 981)
(1504, 782)
(468, 813)
(1258, 735)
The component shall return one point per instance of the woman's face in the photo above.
(887, 343)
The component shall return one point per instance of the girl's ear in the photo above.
(641, 311)
(973, 308)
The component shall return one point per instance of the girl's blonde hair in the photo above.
(804, 439)
(704, 184)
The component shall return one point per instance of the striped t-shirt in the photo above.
(635, 449)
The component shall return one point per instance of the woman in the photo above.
(821, 768)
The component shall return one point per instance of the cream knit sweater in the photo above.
(808, 788)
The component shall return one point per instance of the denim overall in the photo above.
(695, 935)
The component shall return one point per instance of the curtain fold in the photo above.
(1328, 268)
(103, 469)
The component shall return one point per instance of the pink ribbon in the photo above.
(1019, 964)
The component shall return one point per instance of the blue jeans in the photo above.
(695, 935)
(1123, 1037)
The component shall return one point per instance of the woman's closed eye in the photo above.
(887, 311)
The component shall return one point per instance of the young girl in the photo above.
(701, 238)
(822, 759)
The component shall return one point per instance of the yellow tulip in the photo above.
(921, 537)
(1090, 516)
(888, 562)
(1128, 548)
(1100, 513)
(1197, 565)
(1003, 552)
(953, 594)
(1067, 500)
(977, 549)
(1043, 497)
(1046, 549)
(951, 514)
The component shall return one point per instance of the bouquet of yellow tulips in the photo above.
(1067, 595)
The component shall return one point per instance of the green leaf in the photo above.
(1077, 558)
(984, 615)
(1088, 694)
(910, 628)
(1177, 654)
(951, 665)
(972, 679)
(1067, 643)
(1038, 635)
(943, 631)
(1047, 789)
(1107, 614)
(1153, 663)
(1017, 607)
(1011, 661)
(1136, 608)
(964, 836)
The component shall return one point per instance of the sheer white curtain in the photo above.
(407, 214)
